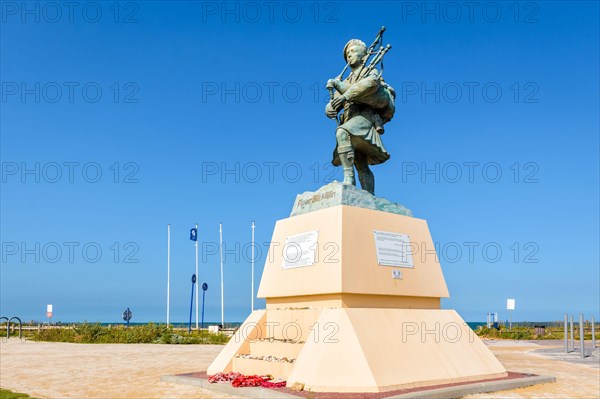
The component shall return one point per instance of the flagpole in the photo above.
(197, 276)
(221, 255)
(252, 285)
(168, 270)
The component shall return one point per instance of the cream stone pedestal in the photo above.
(348, 324)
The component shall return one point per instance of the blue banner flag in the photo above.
(194, 234)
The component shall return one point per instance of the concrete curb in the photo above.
(477, 387)
(439, 393)
(248, 392)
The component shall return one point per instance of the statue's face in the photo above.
(355, 55)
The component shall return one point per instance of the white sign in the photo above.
(510, 304)
(397, 274)
(300, 250)
(48, 308)
(393, 249)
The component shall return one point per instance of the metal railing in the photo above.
(8, 326)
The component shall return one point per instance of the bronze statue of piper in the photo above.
(367, 102)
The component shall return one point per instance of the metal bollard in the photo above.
(581, 337)
(572, 333)
(566, 336)
(593, 334)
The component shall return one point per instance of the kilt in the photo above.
(364, 138)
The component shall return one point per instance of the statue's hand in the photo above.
(338, 102)
(330, 112)
(332, 84)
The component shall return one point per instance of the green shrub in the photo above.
(95, 333)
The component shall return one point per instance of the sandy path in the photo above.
(60, 370)
(57, 370)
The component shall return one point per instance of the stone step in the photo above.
(290, 324)
(275, 348)
(279, 370)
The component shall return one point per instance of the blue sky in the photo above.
(134, 116)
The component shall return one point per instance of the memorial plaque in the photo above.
(393, 249)
(300, 250)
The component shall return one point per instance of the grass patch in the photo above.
(517, 333)
(528, 333)
(95, 333)
(6, 394)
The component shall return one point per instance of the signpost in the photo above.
(168, 272)
(192, 302)
(49, 312)
(127, 315)
(510, 306)
(194, 237)
(252, 278)
(221, 256)
(204, 288)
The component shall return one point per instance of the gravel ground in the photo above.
(574, 379)
(60, 370)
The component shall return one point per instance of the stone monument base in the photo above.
(353, 287)
(358, 349)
